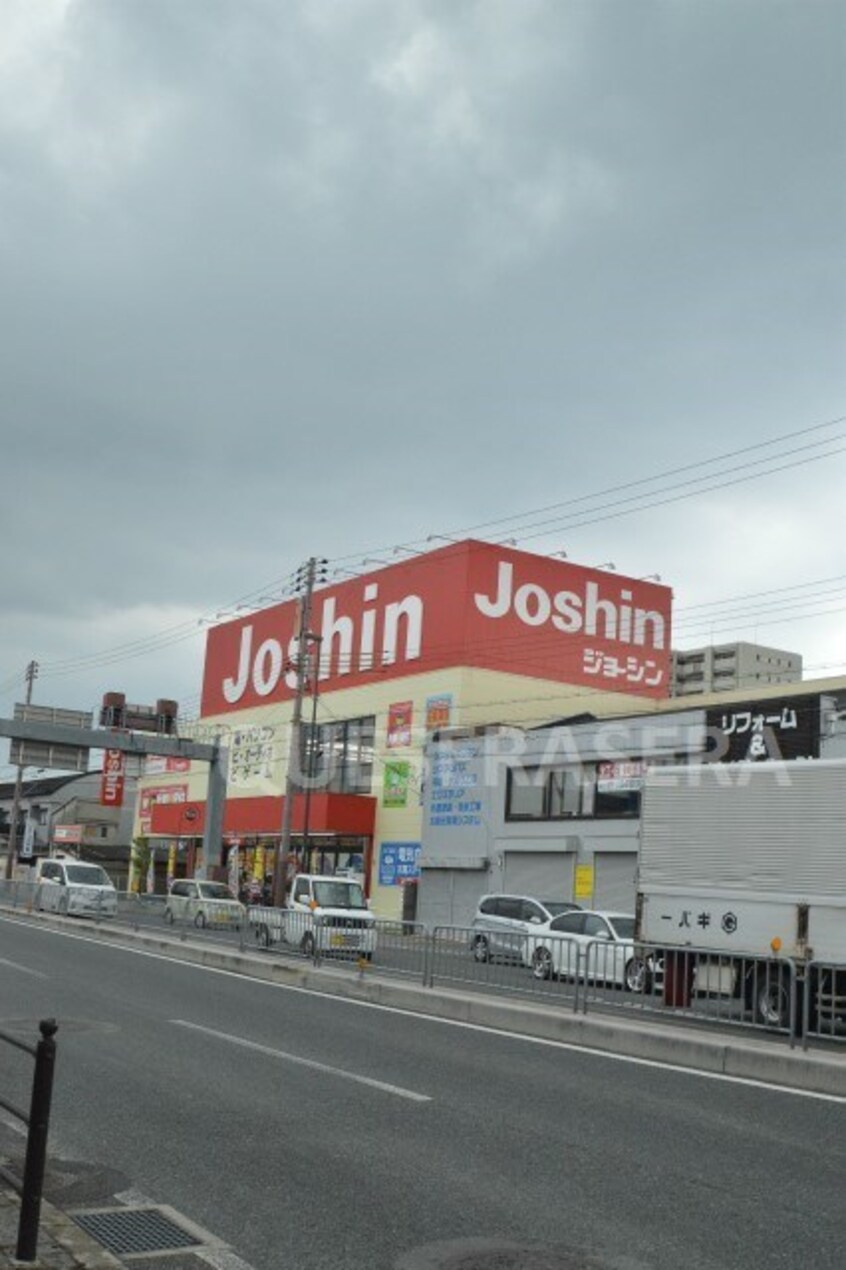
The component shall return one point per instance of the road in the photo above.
(311, 1133)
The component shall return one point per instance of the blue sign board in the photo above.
(399, 862)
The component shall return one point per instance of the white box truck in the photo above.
(748, 861)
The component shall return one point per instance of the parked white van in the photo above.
(74, 888)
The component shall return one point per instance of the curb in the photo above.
(685, 1047)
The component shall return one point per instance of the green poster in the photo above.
(395, 792)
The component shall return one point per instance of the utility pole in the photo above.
(30, 675)
(306, 579)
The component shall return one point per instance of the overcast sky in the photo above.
(281, 278)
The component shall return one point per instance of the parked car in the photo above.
(503, 924)
(74, 888)
(596, 946)
(204, 904)
(327, 914)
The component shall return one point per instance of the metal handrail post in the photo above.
(36, 1143)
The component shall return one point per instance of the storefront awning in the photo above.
(348, 814)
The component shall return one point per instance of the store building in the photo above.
(470, 634)
(554, 812)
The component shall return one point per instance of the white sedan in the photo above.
(598, 947)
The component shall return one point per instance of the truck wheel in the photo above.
(307, 944)
(481, 951)
(263, 935)
(200, 921)
(771, 997)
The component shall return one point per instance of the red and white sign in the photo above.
(160, 795)
(620, 778)
(467, 604)
(113, 779)
(71, 835)
(156, 764)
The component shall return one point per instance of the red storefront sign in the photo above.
(467, 604)
(113, 778)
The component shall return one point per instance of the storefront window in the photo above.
(338, 756)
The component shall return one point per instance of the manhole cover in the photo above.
(493, 1254)
(131, 1230)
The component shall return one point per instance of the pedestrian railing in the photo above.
(824, 1002)
(37, 1120)
(772, 994)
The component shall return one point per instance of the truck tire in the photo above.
(770, 996)
(307, 944)
(263, 935)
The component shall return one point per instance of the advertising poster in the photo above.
(395, 791)
(399, 862)
(399, 724)
(171, 863)
(438, 711)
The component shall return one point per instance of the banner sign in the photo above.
(620, 777)
(162, 794)
(773, 728)
(470, 604)
(113, 778)
(399, 724)
(71, 835)
(438, 711)
(399, 862)
(395, 791)
(156, 764)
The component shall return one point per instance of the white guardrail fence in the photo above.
(803, 1001)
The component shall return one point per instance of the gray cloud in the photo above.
(283, 278)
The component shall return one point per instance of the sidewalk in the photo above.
(62, 1245)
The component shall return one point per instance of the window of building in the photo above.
(525, 795)
(565, 793)
(338, 756)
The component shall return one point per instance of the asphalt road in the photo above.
(311, 1133)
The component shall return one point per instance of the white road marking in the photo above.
(25, 970)
(305, 1062)
(433, 1018)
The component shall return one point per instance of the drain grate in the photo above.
(132, 1230)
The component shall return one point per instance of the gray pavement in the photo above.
(310, 1132)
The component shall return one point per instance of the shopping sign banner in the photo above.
(69, 835)
(157, 764)
(468, 604)
(438, 711)
(113, 779)
(772, 728)
(161, 794)
(395, 790)
(399, 724)
(399, 862)
(620, 778)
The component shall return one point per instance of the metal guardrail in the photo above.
(824, 1002)
(771, 994)
(31, 1187)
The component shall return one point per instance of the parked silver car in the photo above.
(503, 924)
(597, 946)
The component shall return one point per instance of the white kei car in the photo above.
(204, 904)
(596, 946)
